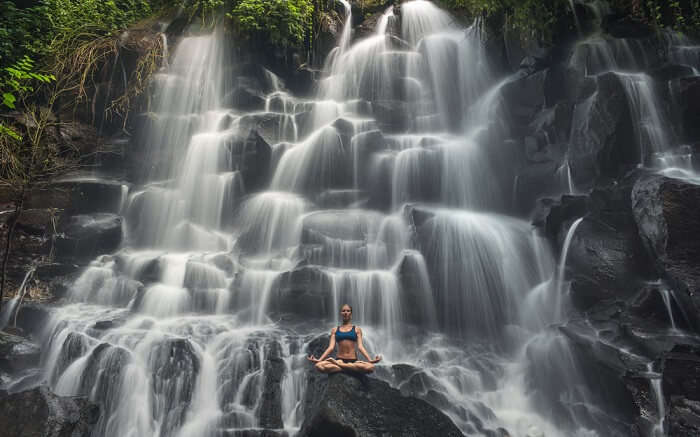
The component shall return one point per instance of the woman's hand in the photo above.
(313, 359)
(376, 359)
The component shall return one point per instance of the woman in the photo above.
(347, 337)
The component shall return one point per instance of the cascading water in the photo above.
(627, 58)
(381, 193)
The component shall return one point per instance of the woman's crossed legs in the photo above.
(332, 365)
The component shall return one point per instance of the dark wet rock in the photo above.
(551, 126)
(669, 72)
(39, 413)
(255, 77)
(416, 297)
(336, 224)
(90, 196)
(251, 433)
(603, 263)
(35, 221)
(524, 96)
(602, 134)
(245, 98)
(688, 96)
(650, 307)
(344, 405)
(270, 409)
(562, 84)
(537, 179)
(83, 237)
(103, 374)
(683, 418)
(551, 214)
(303, 291)
(74, 346)
(417, 215)
(239, 362)
(271, 126)
(17, 353)
(250, 154)
(666, 215)
(32, 317)
(175, 365)
(302, 81)
(681, 373)
(393, 115)
(47, 272)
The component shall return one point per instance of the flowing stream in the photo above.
(386, 191)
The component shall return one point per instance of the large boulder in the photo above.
(303, 291)
(250, 154)
(688, 96)
(345, 405)
(270, 407)
(681, 388)
(17, 353)
(83, 237)
(665, 211)
(602, 133)
(40, 413)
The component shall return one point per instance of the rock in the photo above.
(524, 96)
(17, 353)
(669, 72)
(681, 373)
(40, 413)
(303, 291)
(628, 26)
(602, 134)
(344, 405)
(603, 263)
(683, 418)
(687, 93)
(250, 154)
(245, 99)
(251, 433)
(175, 366)
(90, 196)
(394, 115)
(83, 237)
(669, 226)
(32, 317)
(270, 407)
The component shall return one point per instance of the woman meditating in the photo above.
(347, 337)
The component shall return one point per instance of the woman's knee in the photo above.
(369, 367)
(320, 366)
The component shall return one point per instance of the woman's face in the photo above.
(345, 313)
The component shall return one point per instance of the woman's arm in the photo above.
(362, 349)
(329, 349)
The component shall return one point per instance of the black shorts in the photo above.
(347, 360)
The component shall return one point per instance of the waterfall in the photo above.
(388, 190)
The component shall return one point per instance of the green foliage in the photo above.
(283, 22)
(16, 82)
(680, 15)
(528, 18)
(18, 78)
(39, 30)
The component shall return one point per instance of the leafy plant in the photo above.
(283, 22)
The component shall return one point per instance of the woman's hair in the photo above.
(346, 305)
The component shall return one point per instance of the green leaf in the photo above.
(9, 100)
